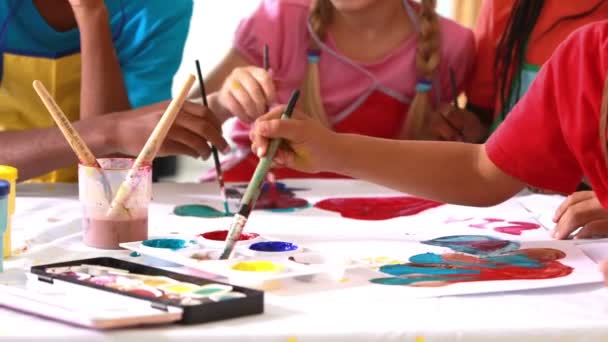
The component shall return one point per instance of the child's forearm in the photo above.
(452, 172)
(102, 86)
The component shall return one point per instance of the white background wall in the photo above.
(211, 31)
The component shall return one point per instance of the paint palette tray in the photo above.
(137, 295)
(261, 267)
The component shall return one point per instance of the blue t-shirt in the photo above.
(148, 35)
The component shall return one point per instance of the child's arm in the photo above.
(37, 151)
(102, 89)
(451, 172)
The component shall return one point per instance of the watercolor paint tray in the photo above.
(164, 297)
(251, 268)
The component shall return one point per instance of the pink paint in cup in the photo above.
(98, 187)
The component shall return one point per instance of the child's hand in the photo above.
(581, 209)
(306, 145)
(193, 129)
(454, 124)
(247, 93)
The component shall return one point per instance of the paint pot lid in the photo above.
(5, 187)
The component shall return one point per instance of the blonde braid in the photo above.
(427, 61)
(320, 16)
(604, 121)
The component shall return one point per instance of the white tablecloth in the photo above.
(47, 229)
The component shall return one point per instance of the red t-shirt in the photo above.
(551, 138)
(545, 37)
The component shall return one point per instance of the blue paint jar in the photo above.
(5, 189)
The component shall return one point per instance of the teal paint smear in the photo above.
(409, 281)
(173, 244)
(519, 260)
(405, 269)
(199, 210)
(134, 255)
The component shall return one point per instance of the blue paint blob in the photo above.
(134, 255)
(173, 244)
(273, 246)
(474, 244)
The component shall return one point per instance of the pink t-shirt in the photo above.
(283, 25)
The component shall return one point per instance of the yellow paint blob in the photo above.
(257, 266)
(419, 339)
(292, 339)
(156, 282)
(344, 280)
(180, 288)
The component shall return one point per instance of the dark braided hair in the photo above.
(510, 55)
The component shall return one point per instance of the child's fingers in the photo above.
(265, 81)
(594, 230)
(290, 130)
(243, 98)
(578, 215)
(233, 106)
(445, 132)
(255, 91)
(454, 116)
(570, 201)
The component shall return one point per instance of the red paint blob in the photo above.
(512, 227)
(377, 208)
(221, 235)
(516, 228)
(143, 292)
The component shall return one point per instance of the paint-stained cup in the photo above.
(98, 187)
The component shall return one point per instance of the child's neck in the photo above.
(371, 33)
(57, 13)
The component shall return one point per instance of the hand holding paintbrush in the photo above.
(253, 189)
(150, 149)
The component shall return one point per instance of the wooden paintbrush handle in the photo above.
(84, 154)
(150, 149)
(154, 142)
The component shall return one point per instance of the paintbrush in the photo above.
(253, 189)
(214, 153)
(84, 154)
(266, 65)
(455, 99)
(150, 149)
(80, 148)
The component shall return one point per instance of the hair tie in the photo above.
(424, 85)
(313, 55)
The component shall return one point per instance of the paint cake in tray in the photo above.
(258, 262)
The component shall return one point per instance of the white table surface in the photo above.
(47, 229)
